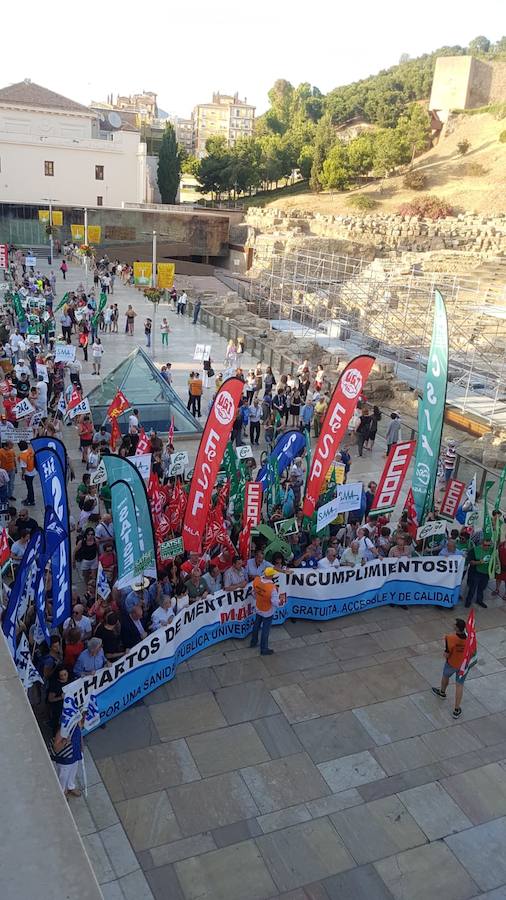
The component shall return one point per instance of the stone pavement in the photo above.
(328, 770)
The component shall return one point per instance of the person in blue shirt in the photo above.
(92, 659)
(306, 415)
(66, 753)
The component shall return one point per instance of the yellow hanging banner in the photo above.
(44, 216)
(142, 273)
(77, 232)
(57, 217)
(166, 275)
(94, 234)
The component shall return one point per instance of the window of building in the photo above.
(100, 201)
(99, 173)
(48, 167)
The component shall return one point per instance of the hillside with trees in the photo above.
(306, 132)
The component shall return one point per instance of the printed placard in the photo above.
(65, 353)
(170, 549)
(244, 452)
(142, 462)
(430, 529)
(286, 526)
(23, 408)
(178, 463)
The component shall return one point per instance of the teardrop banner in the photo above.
(212, 446)
(341, 408)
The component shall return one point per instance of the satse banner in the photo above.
(305, 594)
(210, 454)
(392, 477)
(341, 408)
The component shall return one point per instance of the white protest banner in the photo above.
(99, 475)
(33, 338)
(304, 594)
(7, 432)
(142, 462)
(430, 529)
(207, 352)
(64, 353)
(199, 352)
(42, 370)
(22, 434)
(36, 419)
(23, 408)
(326, 514)
(79, 314)
(31, 261)
(349, 496)
(177, 463)
(26, 669)
(244, 452)
(81, 409)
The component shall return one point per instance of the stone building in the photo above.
(464, 82)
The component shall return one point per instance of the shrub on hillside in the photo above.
(362, 201)
(415, 180)
(475, 168)
(502, 137)
(427, 207)
(463, 147)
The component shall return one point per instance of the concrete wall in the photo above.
(28, 139)
(41, 853)
(498, 84)
(450, 84)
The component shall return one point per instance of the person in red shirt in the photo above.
(9, 404)
(73, 647)
(190, 564)
(223, 560)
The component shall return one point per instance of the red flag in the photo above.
(392, 477)
(118, 405)
(210, 454)
(410, 507)
(244, 541)
(74, 399)
(252, 512)
(176, 507)
(5, 550)
(170, 435)
(143, 444)
(341, 408)
(471, 649)
(115, 434)
(451, 499)
(216, 531)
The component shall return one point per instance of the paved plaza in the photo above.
(328, 770)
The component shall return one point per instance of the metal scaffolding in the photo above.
(386, 307)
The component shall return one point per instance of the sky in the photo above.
(185, 53)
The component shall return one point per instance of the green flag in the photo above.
(62, 301)
(431, 414)
(487, 521)
(500, 488)
(231, 468)
(133, 529)
(101, 303)
(18, 308)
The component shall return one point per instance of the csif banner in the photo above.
(211, 450)
(22, 590)
(304, 594)
(431, 409)
(288, 446)
(133, 528)
(341, 408)
(51, 465)
(451, 499)
(392, 478)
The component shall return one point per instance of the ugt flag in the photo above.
(471, 648)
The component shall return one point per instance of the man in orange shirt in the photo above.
(195, 389)
(266, 600)
(455, 647)
(27, 465)
(8, 462)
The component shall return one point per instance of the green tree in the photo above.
(281, 96)
(305, 161)
(336, 168)
(415, 129)
(390, 150)
(480, 44)
(215, 173)
(169, 166)
(361, 153)
(190, 165)
(324, 138)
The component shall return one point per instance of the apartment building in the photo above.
(226, 116)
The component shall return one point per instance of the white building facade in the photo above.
(52, 147)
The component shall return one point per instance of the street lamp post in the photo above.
(86, 243)
(50, 200)
(153, 284)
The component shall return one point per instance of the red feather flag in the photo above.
(243, 546)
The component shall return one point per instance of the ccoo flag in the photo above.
(341, 408)
(210, 454)
(431, 409)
